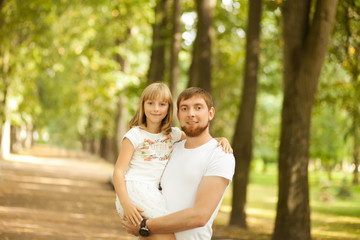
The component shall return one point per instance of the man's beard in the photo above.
(194, 131)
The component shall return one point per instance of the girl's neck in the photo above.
(153, 128)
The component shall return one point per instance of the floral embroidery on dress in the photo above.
(159, 149)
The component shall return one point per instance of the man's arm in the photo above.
(209, 194)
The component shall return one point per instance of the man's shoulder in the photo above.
(220, 152)
(179, 145)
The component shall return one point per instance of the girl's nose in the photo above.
(156, 107)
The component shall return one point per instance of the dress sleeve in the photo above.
(176, 133)
(133, 135)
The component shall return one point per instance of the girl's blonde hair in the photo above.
(154, 91)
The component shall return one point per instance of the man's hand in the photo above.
(130, 228)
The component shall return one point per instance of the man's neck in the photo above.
(194, 142)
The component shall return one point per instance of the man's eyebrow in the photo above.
(195, 105)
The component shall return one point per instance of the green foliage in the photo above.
(229, 55)
(336, 107)
(72, 60)
(327, 141)
(337, 218)
(66, 78)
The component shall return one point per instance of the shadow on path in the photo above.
(51, 194)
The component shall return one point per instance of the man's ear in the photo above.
(211, 113)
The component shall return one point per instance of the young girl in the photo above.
(145, 150)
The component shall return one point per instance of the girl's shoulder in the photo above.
(133, 132)
(176, 133)
(135, 129)
(175, 129)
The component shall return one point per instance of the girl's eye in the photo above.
(183, 109)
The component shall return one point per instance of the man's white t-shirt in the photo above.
(183, 174)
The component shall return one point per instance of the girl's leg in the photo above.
(159, 237)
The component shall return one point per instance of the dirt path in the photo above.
(54, 194)
(51, 194)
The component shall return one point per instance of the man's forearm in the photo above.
(209, 195)
(179, 221)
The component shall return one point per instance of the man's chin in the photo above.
(193, 131)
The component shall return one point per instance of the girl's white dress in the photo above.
(142, 177)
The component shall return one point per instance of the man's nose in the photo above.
(191, 112)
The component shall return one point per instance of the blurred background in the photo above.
(71, 74)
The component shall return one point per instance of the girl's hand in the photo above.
(132, 214)
(225, 144)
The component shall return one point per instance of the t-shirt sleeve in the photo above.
(221, 164)
(133, 135)
(176, 133)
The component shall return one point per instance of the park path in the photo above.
(48, 193)
(51, 194)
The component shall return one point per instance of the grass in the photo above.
(333, 217)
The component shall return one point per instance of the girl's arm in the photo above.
(131, 212)
(222, 142)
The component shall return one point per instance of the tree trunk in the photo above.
(4, 122)
(1, 4)
(305, 47)
(107, 152)
(29, 140)
(5, 140)
(15, 139)
(200, 69)
(356, 155)
(243, 138)
(175, 49)
(121, 126)
(85, 143)
(95, 146)
(110, 146)
(160, 39)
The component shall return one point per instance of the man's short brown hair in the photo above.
(194, 91)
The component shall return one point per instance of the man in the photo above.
(196, 177)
